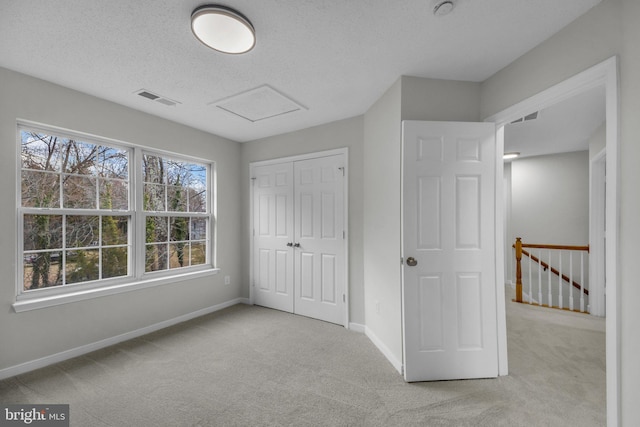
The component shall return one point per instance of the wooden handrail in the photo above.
(561, 247)
(518, 246)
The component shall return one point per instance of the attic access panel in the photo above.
(257, 104)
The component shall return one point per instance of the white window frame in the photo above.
(137, 277)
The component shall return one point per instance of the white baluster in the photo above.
(539, 277)
(560, 281)
(582, 282)
(571, 280)
(530, 292)
(549, 279)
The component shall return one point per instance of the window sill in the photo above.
(53, 300)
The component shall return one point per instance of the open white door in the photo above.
(449, 248)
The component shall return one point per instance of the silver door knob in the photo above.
(412, 262)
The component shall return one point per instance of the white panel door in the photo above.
(449, 284)
(319, 238)
(273, 236)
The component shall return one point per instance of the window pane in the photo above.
(157, 229)
(198, 228)
(198, 253)
(115, 230)
(80, 157)
(177, 198)
(114, 262)
(197, 200)
(197, 184)
(42, 270)
(154, 199)
(82, 265)
(40, 151)
(42, 232)
(179, 255)
(40, 189)
(179, 228)
(153, 169)
(79, 192)
(82, 231)
(114, 194)
(155, 257)
(113, 163)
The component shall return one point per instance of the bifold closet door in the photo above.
(319, 255)
(273, 236)
(299, 237)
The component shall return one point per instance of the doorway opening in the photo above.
(603, 75)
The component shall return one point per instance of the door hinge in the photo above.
(401, 261)
(253, 180)
(344, 298)
(342, 168)
(344, 234)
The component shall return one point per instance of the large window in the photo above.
(95, 212)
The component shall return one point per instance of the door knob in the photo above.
(289, 244)
(412, 262)
(296, 245)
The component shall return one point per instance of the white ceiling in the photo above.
(333, 57)
(560, 128)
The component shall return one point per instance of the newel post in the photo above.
(518, 269)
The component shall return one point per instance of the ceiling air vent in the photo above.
(527, 118)
(154, 97)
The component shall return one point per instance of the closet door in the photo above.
(273, 236)
(319, 251)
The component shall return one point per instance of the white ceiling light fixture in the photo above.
(223, 29)
(510, 156)
(443, 7)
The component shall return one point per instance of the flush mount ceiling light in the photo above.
(510, 156)
(223, 29)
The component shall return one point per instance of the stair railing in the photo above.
(546, 267)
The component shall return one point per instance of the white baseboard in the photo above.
(357, 327)
(384, 350)
(88, 348)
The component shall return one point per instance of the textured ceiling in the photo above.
(334, 57)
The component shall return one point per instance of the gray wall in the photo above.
(340, 134)
(35, 334)
(381, 249)
(550, 199)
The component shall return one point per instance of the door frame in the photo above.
(338, 151)
(597, 206)
(603, 74)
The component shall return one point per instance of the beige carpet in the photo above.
(251, 366)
